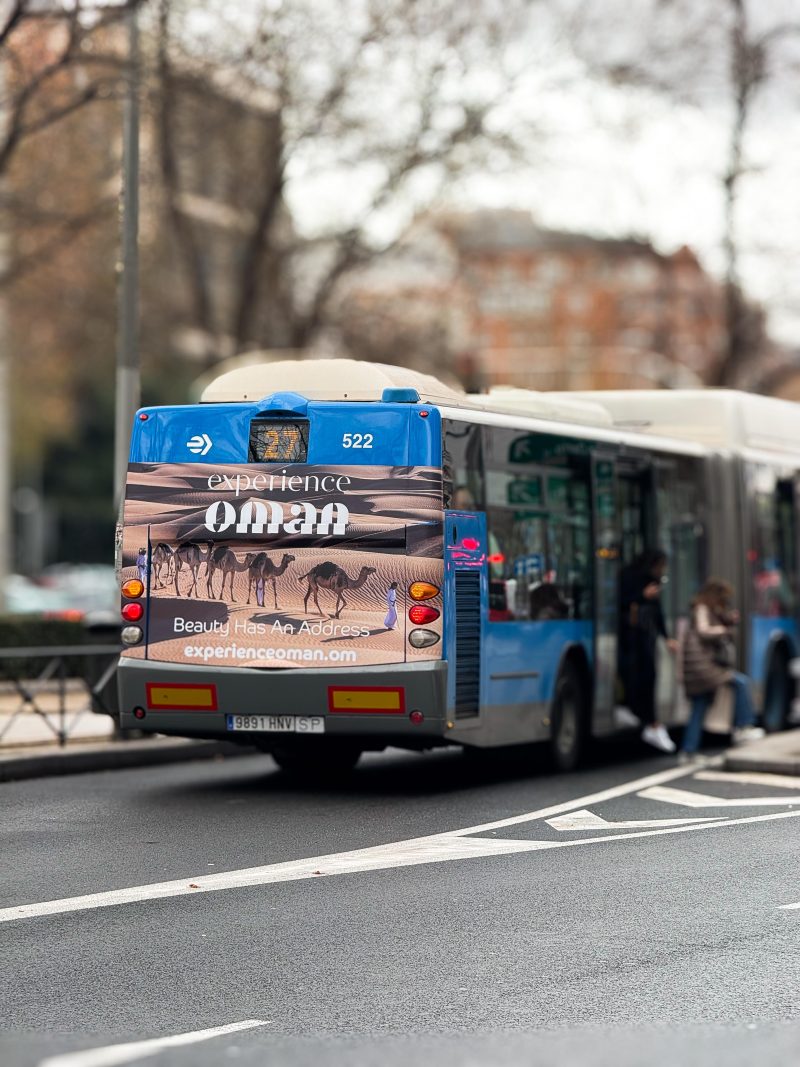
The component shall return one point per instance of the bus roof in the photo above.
(351, 379)
(325, 379)
(717, 418)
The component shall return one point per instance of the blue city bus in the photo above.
(327, 557)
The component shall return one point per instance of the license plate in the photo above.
(277, 724)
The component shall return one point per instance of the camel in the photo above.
(262, 569)
(161, 558)
(190, 553)
(329, 576)
(223, 559)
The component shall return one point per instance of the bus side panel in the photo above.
(522, 664)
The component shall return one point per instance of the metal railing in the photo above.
(55, 678)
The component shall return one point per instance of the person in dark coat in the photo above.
(641, 625)
(709, 655)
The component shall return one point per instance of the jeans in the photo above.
(743, 713)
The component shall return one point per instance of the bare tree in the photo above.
(722, 56)
(56, 59)
(386, 102)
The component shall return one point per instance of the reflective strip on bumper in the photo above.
(365, 700)
(178, 696)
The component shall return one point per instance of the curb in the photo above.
(776, 754)
(742, 761)
(113, 755)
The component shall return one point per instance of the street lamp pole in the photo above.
(6, 524)
(128, 382)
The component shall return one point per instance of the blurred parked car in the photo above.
(83, 592)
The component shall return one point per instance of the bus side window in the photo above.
(462, 464)
(774, 557)
(539, 533)
(681, 533)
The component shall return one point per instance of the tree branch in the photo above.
(184, 232)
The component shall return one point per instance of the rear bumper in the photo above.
(242, 691)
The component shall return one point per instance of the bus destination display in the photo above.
(278, 441)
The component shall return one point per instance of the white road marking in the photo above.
(579, 802)
(687, 799)
(587, 820)
(790, 907)
(435, 848)
(110, 1055)
(780, 781)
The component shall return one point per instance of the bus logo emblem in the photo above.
(200, 444)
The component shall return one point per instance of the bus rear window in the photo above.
(278, 441)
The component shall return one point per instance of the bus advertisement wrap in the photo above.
(281, 566)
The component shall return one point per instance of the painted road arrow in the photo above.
(687, 799)
(587, 820)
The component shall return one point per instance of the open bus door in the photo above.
(605, 539)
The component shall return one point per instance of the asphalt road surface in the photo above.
(426, 910)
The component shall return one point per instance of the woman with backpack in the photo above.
(709, 656)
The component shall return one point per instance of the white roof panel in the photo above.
(717, 418)
(324, 379)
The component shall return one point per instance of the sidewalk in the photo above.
(29, 735)
(774, 754)
(41, 761)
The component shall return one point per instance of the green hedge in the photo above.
(32, 631)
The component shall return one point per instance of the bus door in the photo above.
(465, 604)
(606, 590)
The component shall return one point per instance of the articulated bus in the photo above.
(327, 557)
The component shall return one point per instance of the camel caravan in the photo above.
(167, 563)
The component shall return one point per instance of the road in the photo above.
(630, 913)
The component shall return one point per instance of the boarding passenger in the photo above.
(709, 656)
(641, 625)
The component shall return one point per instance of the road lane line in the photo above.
(427, 849)
(579, 802)
(423, 850)
(688, 799)
(780, 781)
(587, 820)
(110, 1055)
(790, 907)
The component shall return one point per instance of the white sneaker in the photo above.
(692, 758)
(658, 737)
(748, 733)
(625, 719)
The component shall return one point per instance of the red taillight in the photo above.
(132, 612)
(497, 557)
(417, 717)
(422, 614)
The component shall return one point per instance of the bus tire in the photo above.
(777, 692)
(316, 762)
(568, 720)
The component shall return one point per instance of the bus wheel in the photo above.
(316, 762)
(777, 694)
(568, 720)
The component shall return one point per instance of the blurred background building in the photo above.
(491, 298)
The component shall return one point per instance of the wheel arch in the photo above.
(574, 655)
(776, 704)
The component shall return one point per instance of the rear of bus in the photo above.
(281, 570)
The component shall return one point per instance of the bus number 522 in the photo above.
(357, 440)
